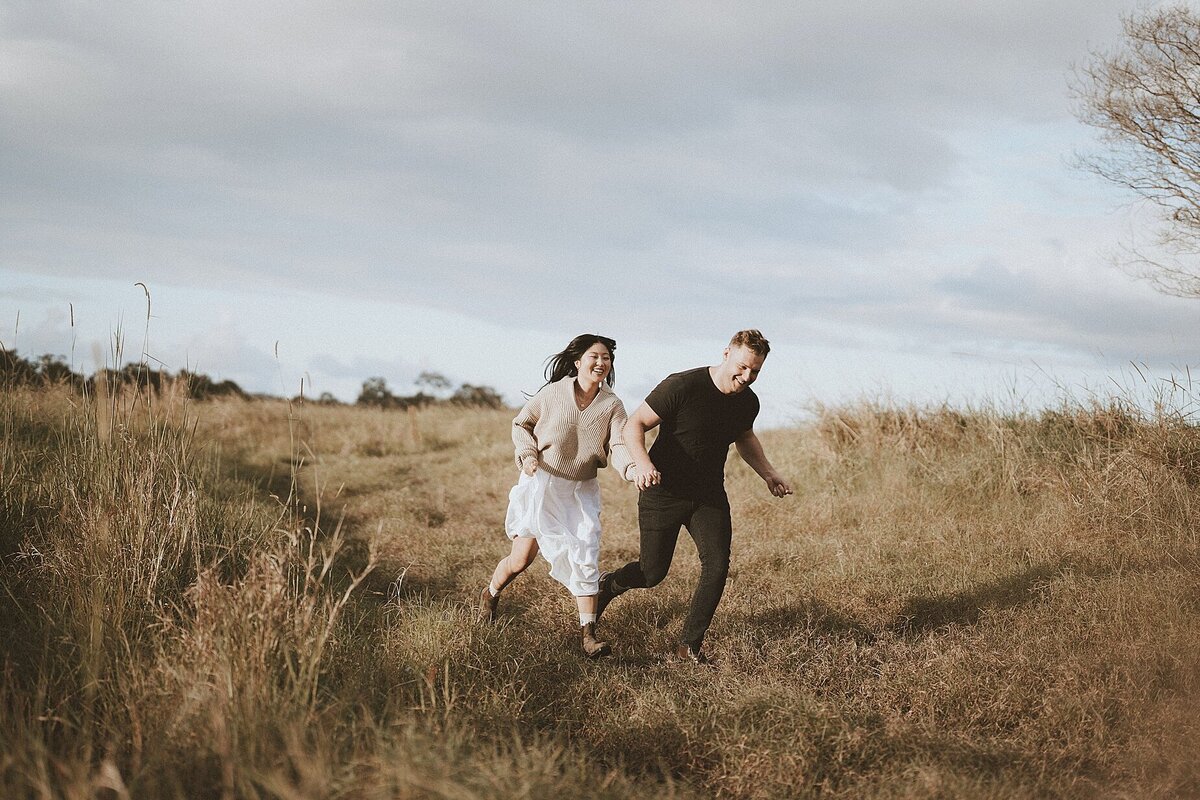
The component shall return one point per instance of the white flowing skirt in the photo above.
(564, 516)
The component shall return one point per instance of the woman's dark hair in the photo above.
(561, 365)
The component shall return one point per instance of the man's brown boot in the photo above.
(593, 647)
(692, 655)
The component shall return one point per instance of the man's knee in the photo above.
(714, 568)
(654, 573)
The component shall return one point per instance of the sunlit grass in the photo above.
(264, 599)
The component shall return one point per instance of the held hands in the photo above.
(529, 465)
(644, 476)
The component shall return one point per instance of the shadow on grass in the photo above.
(398, 583)
(792, 619)
(965, 607)
(920, 614)
(25, 628)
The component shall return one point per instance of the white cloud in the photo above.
(882, 177)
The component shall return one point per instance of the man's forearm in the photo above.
(635, 443)
(751, 451)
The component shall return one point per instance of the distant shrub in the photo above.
(47, 370)
(375, 392)
(201, 387)
(477, 397)
(16, 371)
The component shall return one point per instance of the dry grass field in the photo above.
(262, 599)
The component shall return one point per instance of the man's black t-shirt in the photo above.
(699, 422)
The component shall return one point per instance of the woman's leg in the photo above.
(593, 647)
(524, 550)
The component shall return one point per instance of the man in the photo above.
(682, 479)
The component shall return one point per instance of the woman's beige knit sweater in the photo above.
(567, 442)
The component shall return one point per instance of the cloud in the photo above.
(863, 174)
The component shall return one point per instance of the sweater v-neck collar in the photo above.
(570, 390)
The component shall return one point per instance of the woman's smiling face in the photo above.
(595, 363)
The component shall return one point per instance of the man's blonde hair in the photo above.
(752, 339)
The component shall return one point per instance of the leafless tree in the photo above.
(1145, 99)
(435, 382)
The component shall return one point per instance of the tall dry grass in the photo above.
(257, 599)
(157, 614)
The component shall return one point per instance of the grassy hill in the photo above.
(261, 599)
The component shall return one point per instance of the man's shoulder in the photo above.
(687, 377)
(745, 401)
(675, 390)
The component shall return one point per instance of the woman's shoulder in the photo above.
(610, 399)
(534, 401)
(552, 388)
(555, 395)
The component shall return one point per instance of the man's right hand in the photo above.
(529, 465)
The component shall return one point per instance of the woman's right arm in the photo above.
(525, 442)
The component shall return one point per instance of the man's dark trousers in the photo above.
(660, 516)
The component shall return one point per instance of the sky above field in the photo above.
(326, 192)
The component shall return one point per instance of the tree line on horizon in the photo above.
(432, 389)
(48, 370)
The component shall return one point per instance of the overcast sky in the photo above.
(333, 191)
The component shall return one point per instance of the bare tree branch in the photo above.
(1145, 101)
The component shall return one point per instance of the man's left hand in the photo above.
(778, 486)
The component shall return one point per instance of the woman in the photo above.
(563, 435)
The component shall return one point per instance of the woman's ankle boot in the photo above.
(593, 647)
